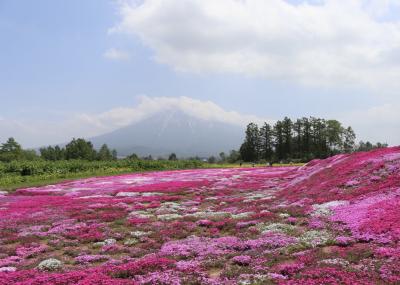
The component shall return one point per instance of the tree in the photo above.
(306, 139)
(133, 156)
(367, 146)
(114, 154)
(104, 153)
(234, 156)
(80, 149)
(52, 153)
(266, 142)
(349, 140)
(249, 150)
(11, 150)
(172, 157)
(222, 156)
(319, 146)
(297, 138)
(334, 133)
(279, 140)
(211, 159)
(287, 127)
(303, 140)
(29, 154)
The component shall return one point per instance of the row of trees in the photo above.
(78, 149)
(300, 140)
(75, 149)
(11, 150)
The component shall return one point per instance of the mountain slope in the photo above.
(173, 131)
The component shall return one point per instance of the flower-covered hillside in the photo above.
(332, 221)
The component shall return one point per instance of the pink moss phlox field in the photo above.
(332, 221)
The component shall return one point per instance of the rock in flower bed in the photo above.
(332, 221)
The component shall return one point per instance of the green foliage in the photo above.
(212, 159)
(133, 156)
(172, 157)
(367, 146)
(52, 153)
(249, 150)
(222, 156)
(16, 173)
(300, 140)
(266, 142)
(349, 140)
(11, 150)
(80, 149)
(105, 153)
(234, 156)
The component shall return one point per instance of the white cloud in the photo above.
(325, 42)
(33, 133)
(206, 110)
(378, 123)
(115, 54)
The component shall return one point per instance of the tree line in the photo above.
(287, 140)
(300, 141)
(76, 149)
(11, 150)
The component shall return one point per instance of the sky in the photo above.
(73, 68)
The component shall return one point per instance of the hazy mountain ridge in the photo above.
(173, 131)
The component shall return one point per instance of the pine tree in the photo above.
(11, 150)
(249, 151)
(279, 140)
(287, 137)
(266, 142)
(104, 153)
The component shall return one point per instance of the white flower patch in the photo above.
(169, 207)
(315, 238)
(210, 215)
(150, 194)
(95, 196)
(168, 217)
(50, 264)
(211, 199)
(141, 214)
(336, 261)
(248, 279)
(258, 196)
(8, 269)
(139, 234)
(131, 241)
(325, 209)
(109, 241)
(128, 194)
(275, 227)
(242, 215)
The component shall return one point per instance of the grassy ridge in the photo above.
(18, 174)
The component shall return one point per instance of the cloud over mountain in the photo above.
(36, 132)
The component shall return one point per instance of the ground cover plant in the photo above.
(332, 221)
(39, 172)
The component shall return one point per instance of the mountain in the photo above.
(173, 131)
